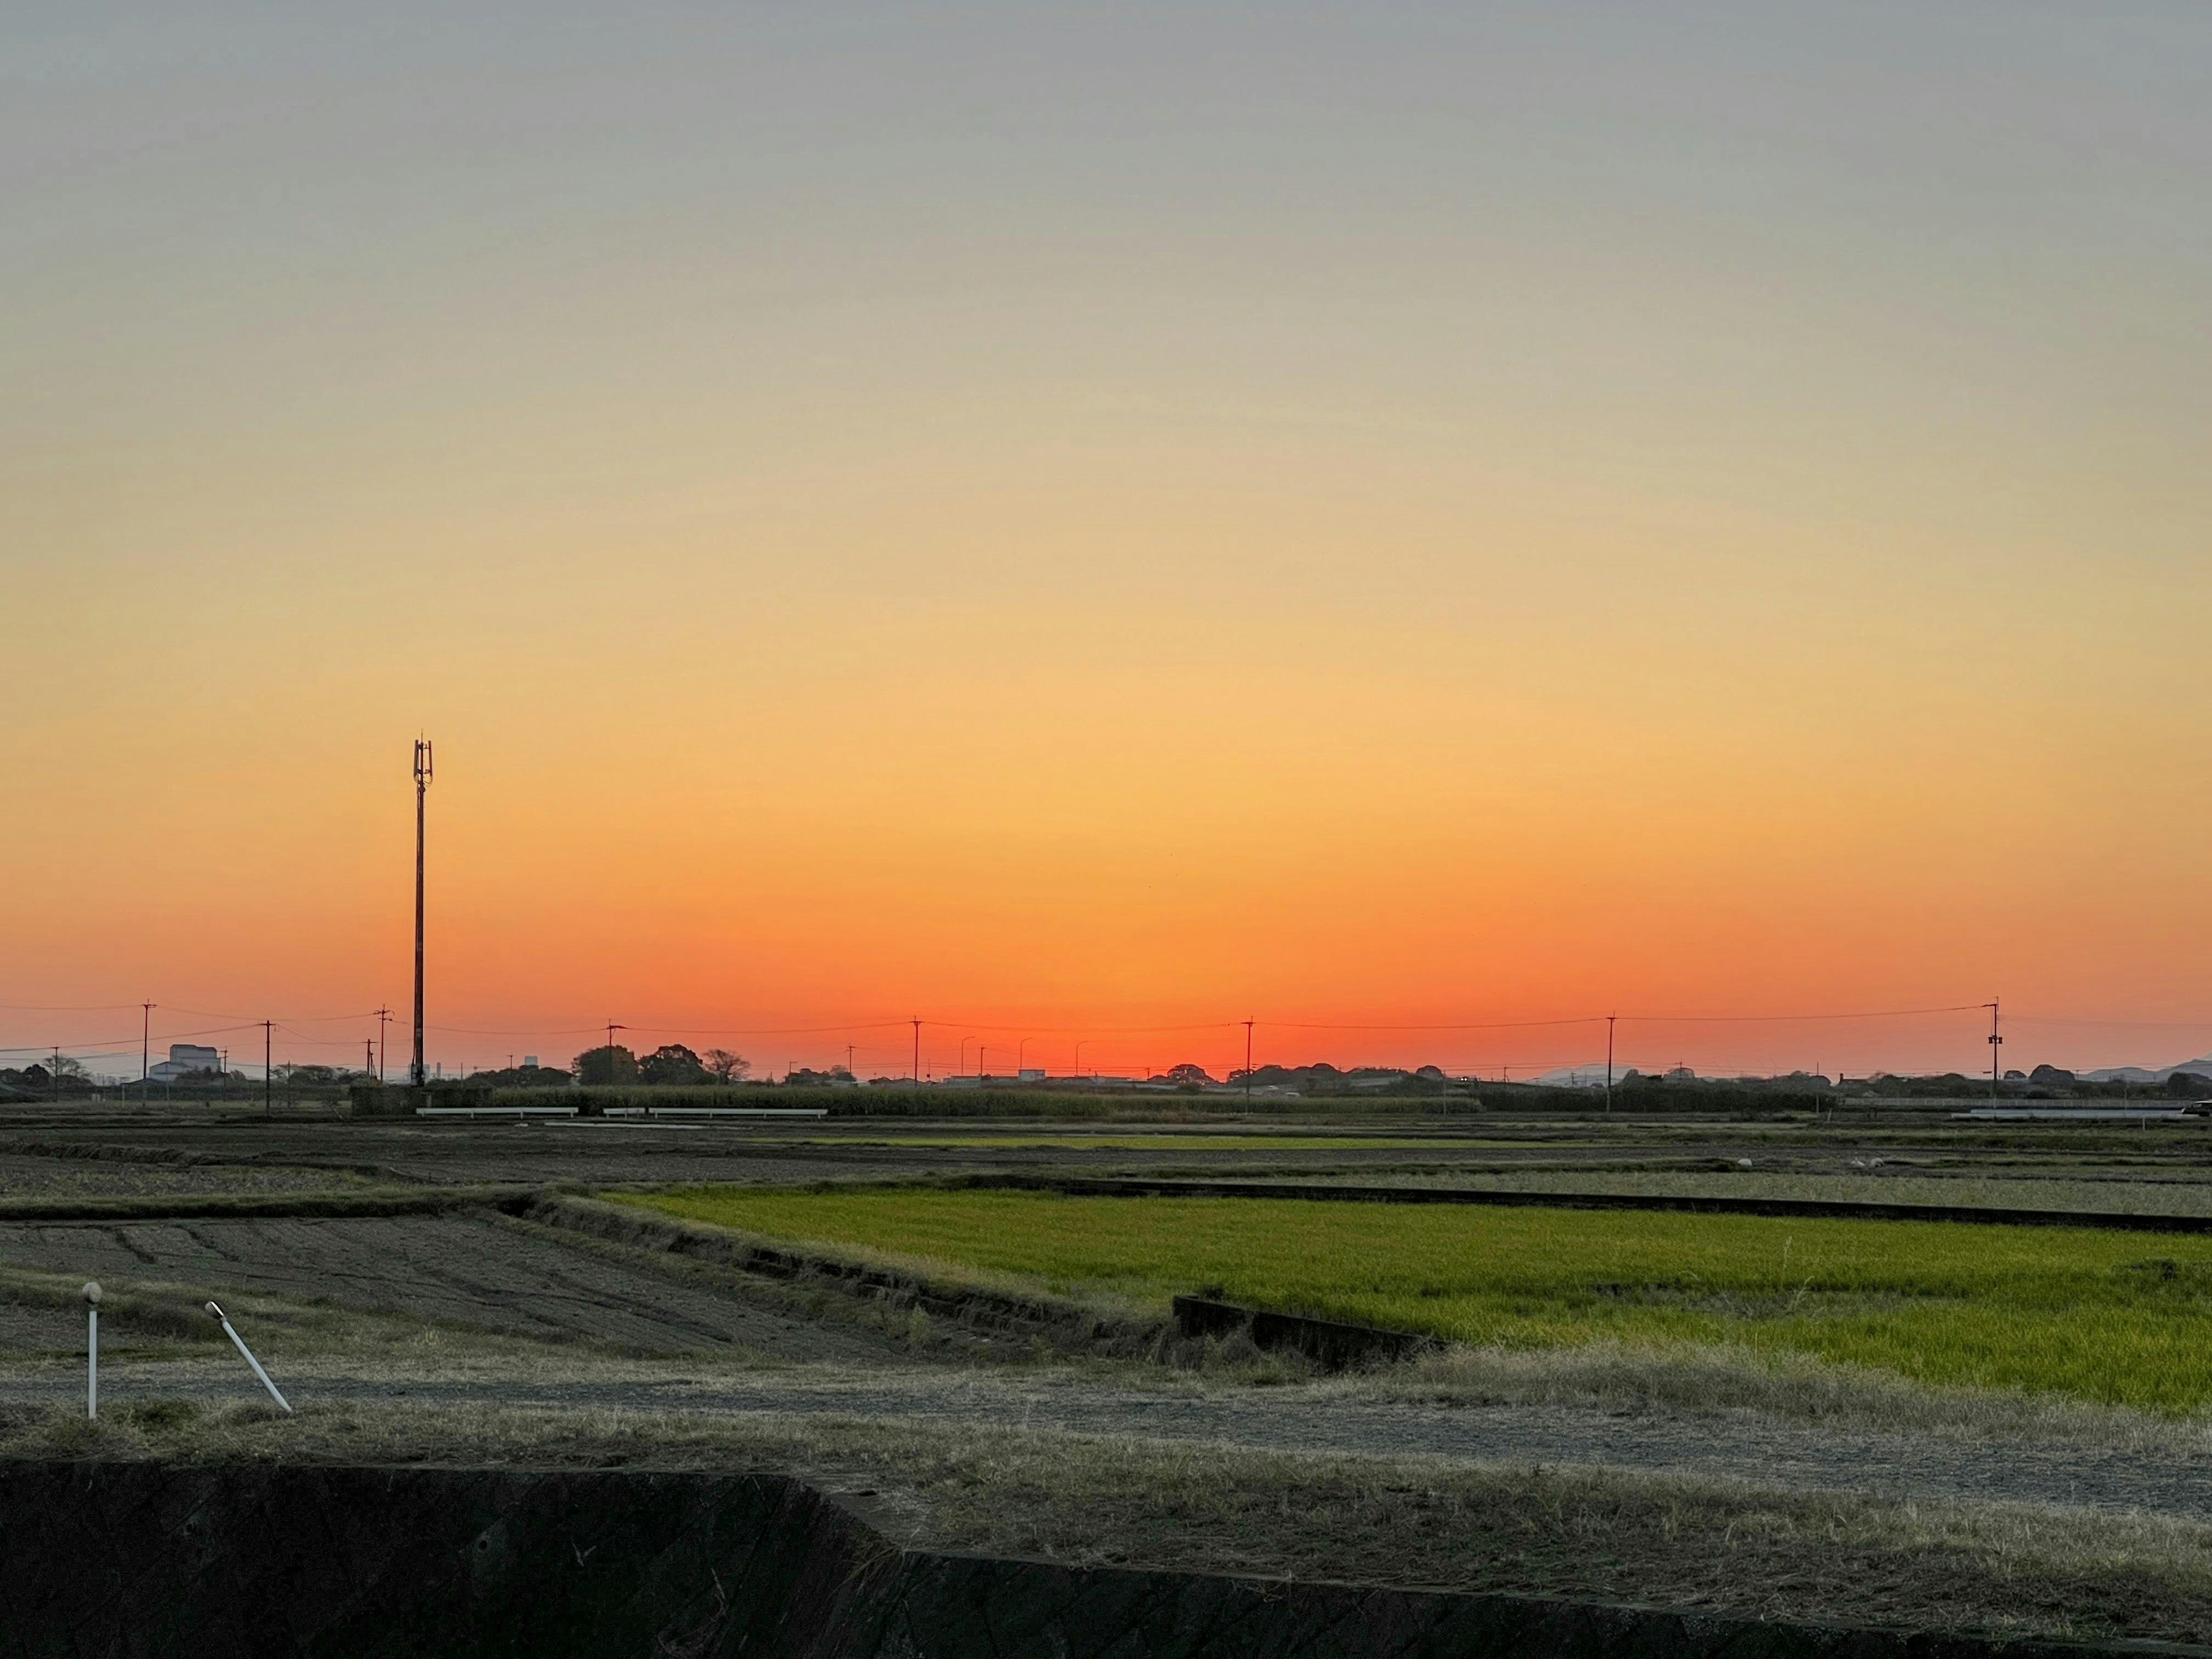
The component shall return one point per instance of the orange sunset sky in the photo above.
(1061, 520)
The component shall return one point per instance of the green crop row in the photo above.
(2114, 1317)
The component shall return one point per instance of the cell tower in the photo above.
(417, 1075)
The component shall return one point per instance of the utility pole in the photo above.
(917, 1053)
(1609, 1018)
(848, 1062)
(982, 1071)
(1248, 1060)
(1996, 1042)
(145, 1045)
(613, 1026)
(57, 1073)
(382, 1015)
(269, 1068)
(417, 1074)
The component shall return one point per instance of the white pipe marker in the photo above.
(92, 1347)
(240, 1341)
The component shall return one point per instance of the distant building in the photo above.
(185, 1059)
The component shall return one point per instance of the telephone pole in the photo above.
(145, 1045)
(417, 1074)
(382, 1015)
(917, 1053)
(1609, 1018)
(1996, 1042)
(1248, 1060)
(268, 1068)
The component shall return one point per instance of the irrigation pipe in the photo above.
(227, 1330)
(92, 1347)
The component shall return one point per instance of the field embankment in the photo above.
(482, 1536)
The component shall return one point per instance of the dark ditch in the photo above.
(160, 1560)
(1793, 1208)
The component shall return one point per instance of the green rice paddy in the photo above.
(2115, 1317)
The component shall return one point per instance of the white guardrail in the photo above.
(624, 1111)
(495, 1111)
(2076, 1114)
(718, 1111)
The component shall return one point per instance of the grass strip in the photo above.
(198, 1206)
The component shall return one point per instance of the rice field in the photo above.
(2116, 1318)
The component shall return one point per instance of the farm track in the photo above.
(1760, 1451)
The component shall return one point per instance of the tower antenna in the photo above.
(417, 1075)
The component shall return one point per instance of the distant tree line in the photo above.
(672, 1065)
(60, 1075)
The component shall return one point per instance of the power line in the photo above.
(2137, 1024)
(1461, 1025)
(1752, 1019)
(71, 1007)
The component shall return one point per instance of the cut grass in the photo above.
(2110, 1318)
(2015, 1571)
(1077, 1140)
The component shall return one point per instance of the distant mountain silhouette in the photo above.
(2202, 1067)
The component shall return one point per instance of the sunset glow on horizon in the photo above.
(1100, 523)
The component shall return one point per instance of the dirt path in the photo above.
(1737, 1446)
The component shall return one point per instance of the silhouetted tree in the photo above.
(608, 1063)
(671, 1063)
(727, 1066)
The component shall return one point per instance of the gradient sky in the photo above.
(1072, 518)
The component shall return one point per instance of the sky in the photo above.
(1098, 522)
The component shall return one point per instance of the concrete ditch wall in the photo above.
(160, 1562)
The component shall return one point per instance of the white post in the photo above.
(92, 1348)
(240, 1342)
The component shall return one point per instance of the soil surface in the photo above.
(474, 1270)
(54, 1177)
